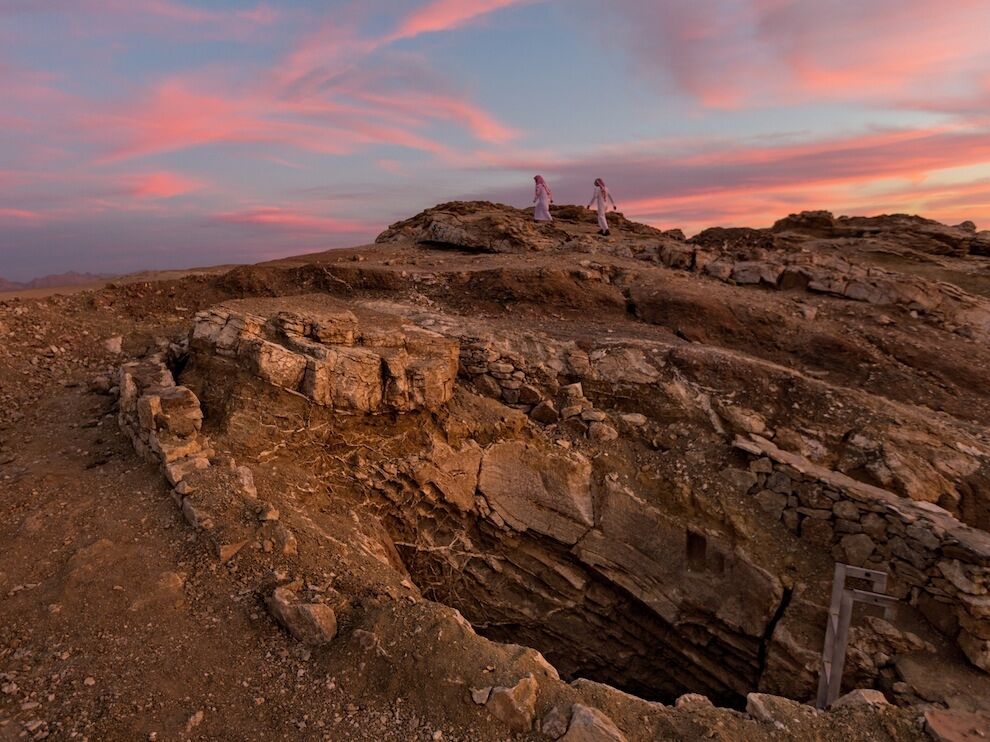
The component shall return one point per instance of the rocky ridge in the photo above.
(416, 458)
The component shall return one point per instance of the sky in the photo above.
(146, 134)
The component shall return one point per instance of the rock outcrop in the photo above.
(322, 352)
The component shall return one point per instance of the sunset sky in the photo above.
(165, 133)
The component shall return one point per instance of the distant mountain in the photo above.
(71, 278)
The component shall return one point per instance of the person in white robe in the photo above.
(600, 199)
(542, 198)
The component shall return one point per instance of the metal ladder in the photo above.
(839, 618)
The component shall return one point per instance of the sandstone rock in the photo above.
(740, 480)
(177, 471)
(593, 416)
(544, 490)
(977, 606)
(285, 539)
(196, 517)
(310, 623)
(602, 432)
(857, 548)
(177, 411)
(529, 395)
(453, 473)
(245, 481)
(226, 552)
(772, 503)
(956, 725)
(861, 697)
(976, 650)
(114, 345)
(487, 386)
(545, 413)
(480, 695)
(635, 419)
(591, 725)
(272, 362)
(693, 699)
(554, 723)
(573, 391)
(515, 706)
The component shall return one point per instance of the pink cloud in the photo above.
(20, 216)
(446, 15)
(427, 105)
(161, 185)
(290, 220)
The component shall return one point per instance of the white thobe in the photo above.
(542, 211)
(599, 199)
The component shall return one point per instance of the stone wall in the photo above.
(938, 564)
(953, 307)
(162, 419)
(323, 352)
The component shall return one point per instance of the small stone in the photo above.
(194, 721)
(602, 432)
(114, 345)
(515, 706)
(693, 699)
(635, 419)
(245, 480)
(90, 680)
(310, 623)
(267, 512)
(480, 695)
(591, 725)
(571, 411)
(761, 465)
(861, 697)
(226, 552)
(594, 416)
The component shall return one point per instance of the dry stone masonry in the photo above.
(939, 564)
(325, 356)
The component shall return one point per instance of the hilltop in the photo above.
(491, 479)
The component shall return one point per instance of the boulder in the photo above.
(314, 624)
(591, 725)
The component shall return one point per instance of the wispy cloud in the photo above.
(756, 53)
(291, 220)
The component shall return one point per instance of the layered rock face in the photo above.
(321, 352)
(915, 232)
